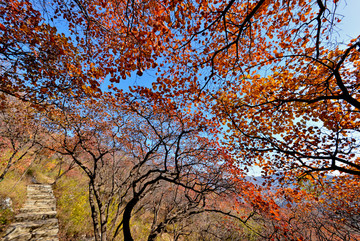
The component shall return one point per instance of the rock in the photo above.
(6, 203)
(33, 180)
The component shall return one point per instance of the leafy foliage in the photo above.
(239, 83)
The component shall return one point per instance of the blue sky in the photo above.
(350, 24)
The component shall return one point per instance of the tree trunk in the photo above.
(126, 218)
(103, 224)
(94, 213)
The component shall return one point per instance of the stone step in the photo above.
(40, 196)
(25, 230)
(39, 186)
(49, 232)
(37, 219)
(39, 189)
(36, 223)
(50, 202)
(35, 216)
(17, 236)
(32, 237)
(37, 208)
(36, 192)
(49, 239)
(32, 190)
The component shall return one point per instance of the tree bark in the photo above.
(94, 213)
(126, 218)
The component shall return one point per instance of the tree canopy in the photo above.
(239, 83)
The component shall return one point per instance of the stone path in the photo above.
(37, 219)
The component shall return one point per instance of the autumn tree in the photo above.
(294, 113)
(279, 80)
(38, 63)
(285, 89)
(136, 153)
(65, 50)
(85, 136)
(270, 72)
(179, 166)
(19, 133)
(314, 209)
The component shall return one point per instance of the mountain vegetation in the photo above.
(235, 85)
